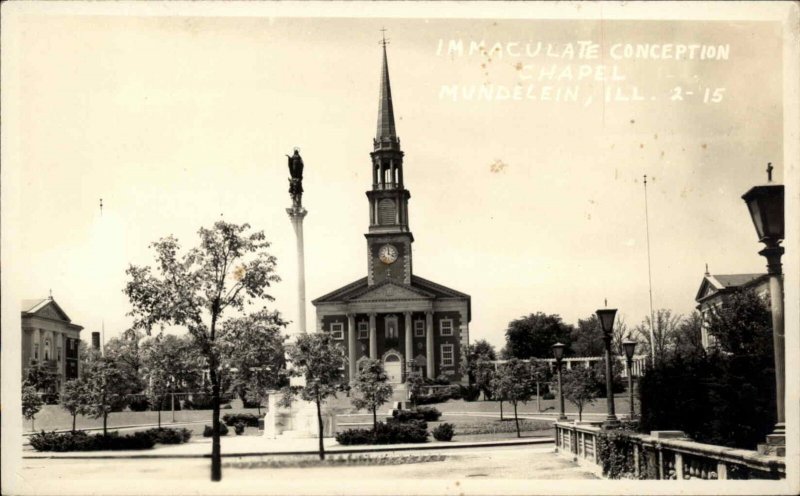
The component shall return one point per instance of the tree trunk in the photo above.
(216, 459)
(74, 416)
(105, 423)
(580, 413)
(516, 420)
(501, 409)
(258, 407)
(538, 399)
(375, 419)
(33, 425)
(159, 414)
(319, 422)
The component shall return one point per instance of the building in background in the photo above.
(407, 322)
(715, 288)
(49, 338)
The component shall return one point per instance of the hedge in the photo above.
(391, 432)
(81, 441)
(248, 419)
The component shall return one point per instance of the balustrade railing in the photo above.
(656, 457)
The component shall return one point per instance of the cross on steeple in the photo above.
(769, 171)
(383, 41)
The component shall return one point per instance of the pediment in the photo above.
(52, 311)
(706, 289)
(391, 291)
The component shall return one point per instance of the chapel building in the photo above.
(407, 322)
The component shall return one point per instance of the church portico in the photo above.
(409, 323)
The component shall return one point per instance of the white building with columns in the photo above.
(409, 323)
(50, 338)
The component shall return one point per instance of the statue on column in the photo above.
(296, 178)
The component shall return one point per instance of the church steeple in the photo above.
(386, 129)
(388, 198)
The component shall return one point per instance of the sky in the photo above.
(525, 204)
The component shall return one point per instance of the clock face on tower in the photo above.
(387, 254)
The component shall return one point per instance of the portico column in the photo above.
(351, 344)
(373, 337)
(409, 352)
(429, 343)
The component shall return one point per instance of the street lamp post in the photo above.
(630, 346)
(606, 318)
(765, 204)
(558, 353)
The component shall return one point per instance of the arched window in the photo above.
(47, 349)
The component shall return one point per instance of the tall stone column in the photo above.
(297, 213)
(351, 344)
(429, 351)
(373, 337)
(409, 351)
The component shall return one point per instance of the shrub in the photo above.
(391, 432)
(248, 419)
(81, 441)
(354, 436)
(548, 396)
(444, 432)
(138, 404)
(223, 430)
(251, 404)
(429, 413)
(470, 393)
(238, 428)
(169, 436)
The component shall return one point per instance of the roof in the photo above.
(725, 283)
(419, 285)
(46, 308)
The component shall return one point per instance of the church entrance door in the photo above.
(392, 367)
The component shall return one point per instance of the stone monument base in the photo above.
(296, 421)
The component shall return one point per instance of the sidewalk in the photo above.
(247, 446)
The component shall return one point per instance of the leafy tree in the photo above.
(619, 334)
(317, 358)
(478, 354)
(105, 386)
(126, 351)
(41, 377)
(371, 389)
(75, 399)
(414, 382)
(540, 373)
(31, 403)
(254, 346)
(172, 360)
(587, 338)
(512, 383)
(580, 388)
(599, 374)
(533, 336)
(227, 271)
(484, 372)
(742, 325)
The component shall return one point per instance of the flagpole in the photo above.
(649, 274)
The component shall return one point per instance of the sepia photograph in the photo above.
(400, 247)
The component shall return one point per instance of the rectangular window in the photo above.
(448, 360)
(446, 327)
(363, 330)
(59, 354)
(337, 330)
(419, 329)
(36, 351)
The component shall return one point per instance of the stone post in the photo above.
(776, 442)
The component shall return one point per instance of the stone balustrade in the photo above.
(667, 455)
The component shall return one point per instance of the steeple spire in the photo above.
(386, 129)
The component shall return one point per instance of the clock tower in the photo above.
(389, 238)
